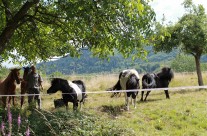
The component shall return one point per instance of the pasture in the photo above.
(183, 114)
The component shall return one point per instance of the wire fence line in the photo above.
(122, 91)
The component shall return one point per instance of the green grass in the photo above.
(185, 114)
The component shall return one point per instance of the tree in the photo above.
(40, 29)
(189, 35)
(183, 63)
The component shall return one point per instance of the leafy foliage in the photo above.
(189, 34)
(46, 123)
(40, 29)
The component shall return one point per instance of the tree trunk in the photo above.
(198, 70)
(12, 24)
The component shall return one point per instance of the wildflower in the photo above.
(2, 128)
(19, 121)
(9, 118)
(9, 134)
(27, 132)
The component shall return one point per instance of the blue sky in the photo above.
(172, 9)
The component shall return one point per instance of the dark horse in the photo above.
(8, 85)
(157, 80)
(128, 80)
(23, 85)
(74, 91)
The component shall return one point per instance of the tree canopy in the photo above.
(40, 29)
(189, 34)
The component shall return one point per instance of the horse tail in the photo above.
(148, 81)
(117, 86)
(171, 75)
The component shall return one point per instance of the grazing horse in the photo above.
(128, 80)
(8, 85)
(157, 80)
(23, 85)
(74, 91)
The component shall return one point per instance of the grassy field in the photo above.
(185, 114)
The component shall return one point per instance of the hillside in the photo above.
(89, 64)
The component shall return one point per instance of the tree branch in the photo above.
(12, 24)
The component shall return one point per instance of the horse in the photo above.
(128, 80)
(8, 85)
(157, 80)
(23, 85)
(74, 91)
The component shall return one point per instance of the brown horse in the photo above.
(23, 85)
(8, 85)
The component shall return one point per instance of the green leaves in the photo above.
(58, 28)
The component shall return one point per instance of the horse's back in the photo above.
(80, 84)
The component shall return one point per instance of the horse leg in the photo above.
(146, 95)
(142, 96)
(167, 94)
(23, 91)
(22, 101)
(9, 99)
(134, 98)
(66, 105)
(127, 103)
(13, 99)
(75, 105)
(4, 101)
(80, 105)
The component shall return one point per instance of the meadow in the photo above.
(184, 114)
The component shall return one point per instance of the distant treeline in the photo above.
(87, 64)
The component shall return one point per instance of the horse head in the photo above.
(27, 70)
(56, 85)
(16, 75)
(166, 73)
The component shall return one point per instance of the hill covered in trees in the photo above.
(88, 64)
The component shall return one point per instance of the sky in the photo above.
(172, 10)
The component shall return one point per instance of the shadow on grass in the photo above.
(149, 100)
(113, 110)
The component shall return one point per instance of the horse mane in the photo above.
(166, 73)
(60, 80)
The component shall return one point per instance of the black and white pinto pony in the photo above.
(157, 80)
(74, 91)
(128, 80)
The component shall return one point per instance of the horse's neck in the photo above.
(9, 79)
(25, 75)
(7, 82)
(66, 88)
